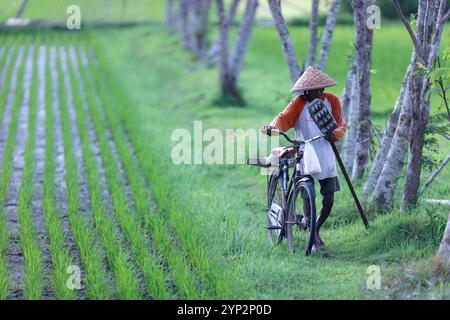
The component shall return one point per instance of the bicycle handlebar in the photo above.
(270, 132)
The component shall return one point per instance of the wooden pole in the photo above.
(349, 182)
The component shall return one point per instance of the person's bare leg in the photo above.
(327, 205)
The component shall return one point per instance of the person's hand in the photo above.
(267, 130)
(329, 137)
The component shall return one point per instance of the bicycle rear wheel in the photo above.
(296, 237)
(275, 212)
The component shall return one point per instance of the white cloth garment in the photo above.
(306, 128)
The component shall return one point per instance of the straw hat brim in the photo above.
(313, 79)
(303, 89)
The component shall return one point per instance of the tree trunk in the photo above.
(313, 38)
(186, 31)
(22, 7)
(443, 254)
(347, 92)
(429, 40)
(346, 97)
(383, 193)
(169, 13)
(244, 35)
(363, 56)
(386, 141)
(349, 154)
(286, 42)
(328, 34)
(199, 25)
(416, 140)
(434, 174)
(227, 81)
(213, 52)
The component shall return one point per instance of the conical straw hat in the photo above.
(313, 79)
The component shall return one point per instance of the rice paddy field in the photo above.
(92, 207)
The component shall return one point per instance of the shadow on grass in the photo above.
(234, 99)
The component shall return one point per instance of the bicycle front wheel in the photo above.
(275, 210)
(296, 236)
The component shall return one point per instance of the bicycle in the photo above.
(283, 194)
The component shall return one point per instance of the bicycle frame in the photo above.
(286, 184)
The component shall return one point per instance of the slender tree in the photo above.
(409, 131)
(229, 69)
(170, 13)
(313, 37)
(185, 28)
(363, 57)
(214, 50)
(198, 20)
(347, 91)
(386, 141)
(328, 33)
(426, 43)
(245, 32)
(386, 185)
(443, 254)
(349, 154)
(286, 42)
(22, 7)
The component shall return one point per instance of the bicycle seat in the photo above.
(281, 151)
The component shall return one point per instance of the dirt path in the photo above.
(15, 258)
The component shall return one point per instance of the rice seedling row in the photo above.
(163, 237)
(154, 276)
(189, 234)
(12, 260)
(96, 277)
(126, 281)
(33, 281)
(61, 257)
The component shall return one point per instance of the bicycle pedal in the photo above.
(272, 228)
(291, 222)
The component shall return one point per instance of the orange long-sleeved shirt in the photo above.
(288, 117)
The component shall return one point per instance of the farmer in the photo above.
(309, 87)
